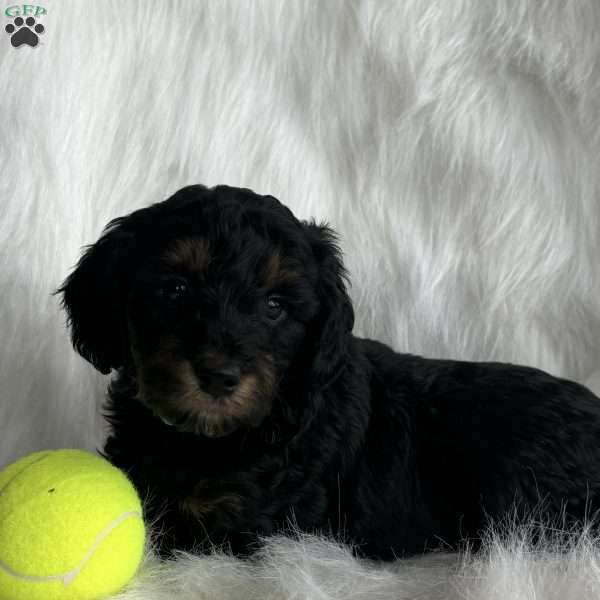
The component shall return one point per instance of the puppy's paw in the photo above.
(212, 499)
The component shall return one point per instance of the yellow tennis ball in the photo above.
(71, 527)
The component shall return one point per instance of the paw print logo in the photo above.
(24, 32)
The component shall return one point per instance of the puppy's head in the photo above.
(213, 299)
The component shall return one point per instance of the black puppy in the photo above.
(242, 400)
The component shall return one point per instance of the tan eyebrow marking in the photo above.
(192, 254)
(275, 271)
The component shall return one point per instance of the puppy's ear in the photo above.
(333, 324)
(92, 296)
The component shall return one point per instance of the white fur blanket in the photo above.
(454, 144)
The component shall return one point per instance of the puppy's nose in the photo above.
(222, 381)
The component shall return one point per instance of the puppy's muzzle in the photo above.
(221, 381)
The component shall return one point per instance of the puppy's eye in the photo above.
(173, 290)
(274, 308)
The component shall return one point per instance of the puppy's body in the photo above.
(280, 414)
(405, 454)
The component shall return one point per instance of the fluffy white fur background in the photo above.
(454, 145)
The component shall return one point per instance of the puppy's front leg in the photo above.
(254, 503)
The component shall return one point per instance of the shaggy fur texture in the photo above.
(511, 567)
(453, 145)
(242, 401)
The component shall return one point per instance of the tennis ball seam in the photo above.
(70, 576)
(79, 477)
(19, 473)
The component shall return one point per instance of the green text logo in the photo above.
(23, 10)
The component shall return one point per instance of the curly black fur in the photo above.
(393, 452)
